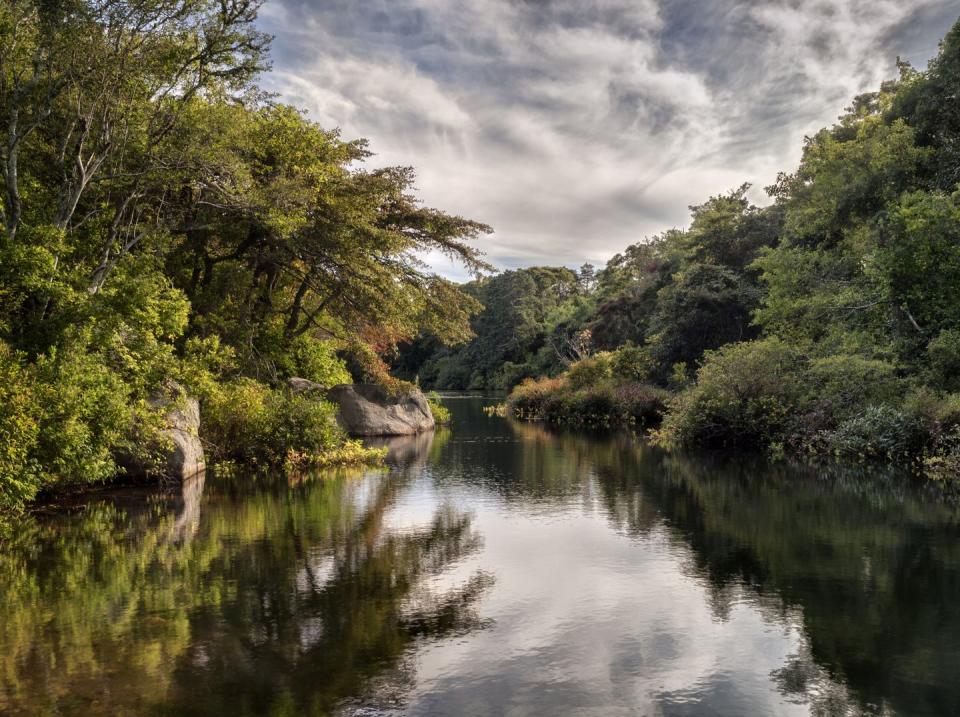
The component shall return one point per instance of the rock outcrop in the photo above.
(179, 454)
(185, 457)
(368, 410)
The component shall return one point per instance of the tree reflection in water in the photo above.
(630, 580)
(283, 599)
(867, 567)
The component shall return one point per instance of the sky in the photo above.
(577, 127)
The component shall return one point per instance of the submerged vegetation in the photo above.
(826, 324)
(161, 218)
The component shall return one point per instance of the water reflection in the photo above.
(494, 569)
(867, 569)
(283, 599)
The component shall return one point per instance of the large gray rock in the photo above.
(185, 457)
(368, 410)
(179, 455)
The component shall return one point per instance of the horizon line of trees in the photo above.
(826, 322)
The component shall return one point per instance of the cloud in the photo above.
(577, 127)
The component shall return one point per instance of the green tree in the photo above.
(705, 307)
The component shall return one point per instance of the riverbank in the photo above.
(236, 425)
(767, 397)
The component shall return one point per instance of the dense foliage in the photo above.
(519, 333)
(163, 219)
(826, 323)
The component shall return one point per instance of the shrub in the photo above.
(944, 356)
(590, 371)
(679, 376)
(939, 417)
(844, 384)
(316, 361)
(205, 362)
(877, 433)
(88, 412)
(632, 363)
(350, 453)
(532, 398)
(948, 412)
(247, 420)
(19, 430)
(640, 404)
(553, 400)
(942, 461)
(441, 414)
(595, 406)
(746, 395)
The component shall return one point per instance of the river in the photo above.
(491, 569)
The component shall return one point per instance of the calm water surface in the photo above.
(494, 569)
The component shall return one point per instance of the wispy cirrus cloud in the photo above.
(573, 127)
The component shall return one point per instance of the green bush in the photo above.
(88, 413)
(20, 416)
(248, 421)
(944, 356)
(590, 371)
(877, 433)
(640, 405)
(843, 384)
(316, 361)
(594, 406)
(948, 412)
(205, 362)
(441, 414)
(632, 363)
(68, 414)
(942, 460)
(746, 395)
(531, 398)
(605, 404)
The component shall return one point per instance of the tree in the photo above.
(728, 231)
(705, 307)
(102, 81)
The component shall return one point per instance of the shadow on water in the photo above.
(237, 597)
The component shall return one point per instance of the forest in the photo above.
(825, 324)
(167, 226)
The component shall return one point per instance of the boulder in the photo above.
(304, 385)
(368, 410)
(181, 454)
(185, 457)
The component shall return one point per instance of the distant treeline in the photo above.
(826, 322)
